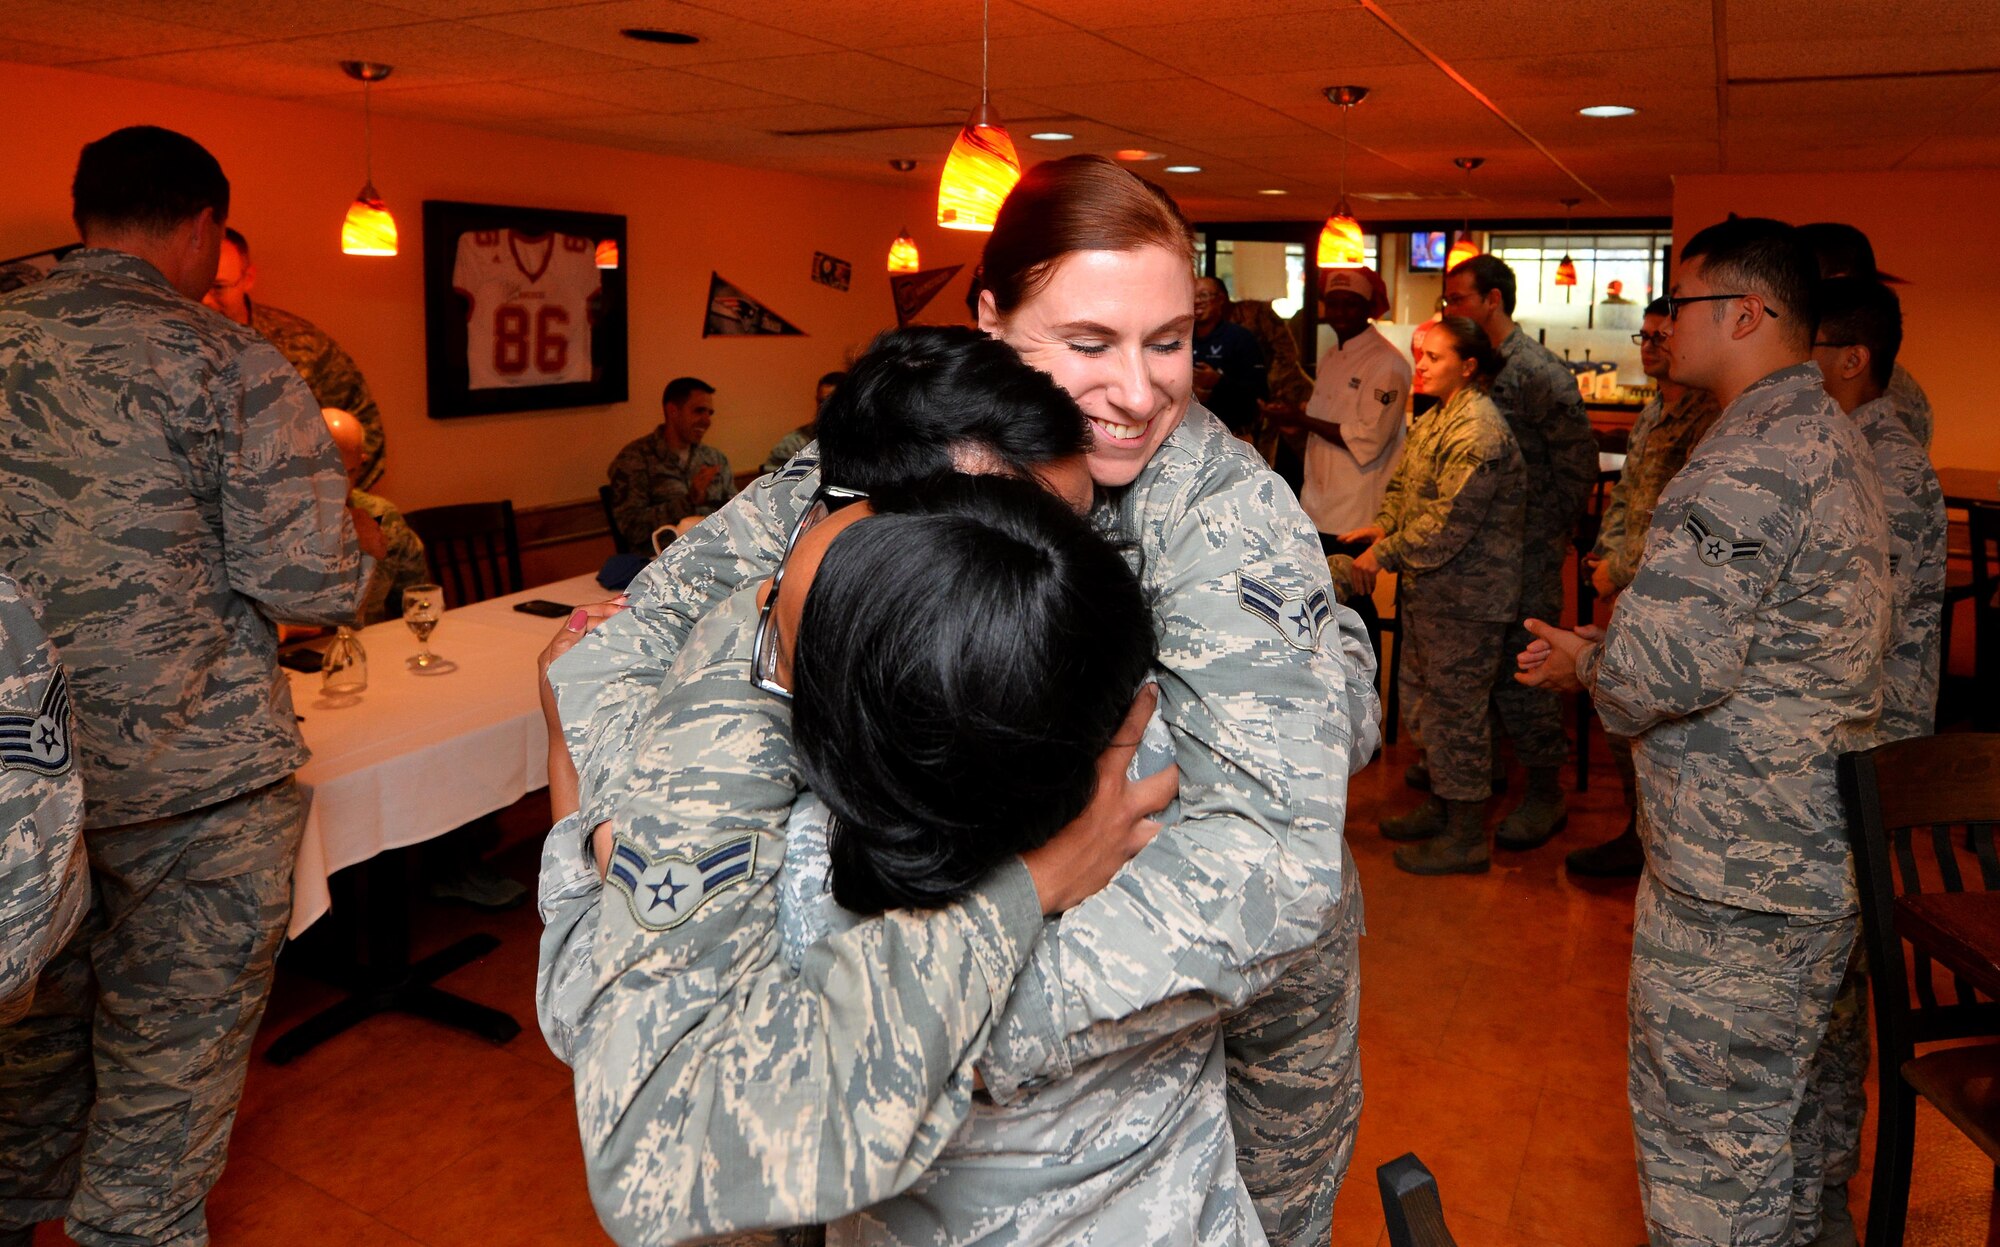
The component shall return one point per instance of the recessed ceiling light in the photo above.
(1052, 136)
(1183, 168)
(1137, 154)
(648, 34)
(1607, 110)
(1274, 190)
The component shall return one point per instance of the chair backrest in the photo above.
(1921, 817)
(472, 549)
(618, 543)
(1410, 1204)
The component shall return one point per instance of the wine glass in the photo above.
(423, 606)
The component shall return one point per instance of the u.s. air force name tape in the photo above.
(667, 889)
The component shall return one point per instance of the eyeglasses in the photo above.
(1650, 339)
(1676, 302)
(764, 649)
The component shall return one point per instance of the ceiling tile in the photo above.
(459, 50)
(1470, 30)
(488, 101)
(27, 52)
(656, 91)
(60, 24)
(854, 79)
(891, 23)
(1850, 110)
(1340, 43)
(245, 21)
(1027, 61)
(1778, 21)
(596, 27)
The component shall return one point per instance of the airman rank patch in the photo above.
(667, 890)
(1715, 549)
(800, 466)
(39, 741)
(1299, 620)
(1388, 397)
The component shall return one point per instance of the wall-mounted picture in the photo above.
(524, 308)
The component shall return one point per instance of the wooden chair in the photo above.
(472, 549)
(618, 543)
(1905, 801)
(1983, 526)
(1411, 1205)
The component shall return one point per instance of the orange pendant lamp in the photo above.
(1340, 242)
(903, 254)
(1566, 270)
(369, 228)
(1462, 247)
(982, 167)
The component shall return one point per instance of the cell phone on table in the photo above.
(544, 608)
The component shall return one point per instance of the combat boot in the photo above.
(1422, 823)
(1621, 857)
(1541, 814)
(1461, 850)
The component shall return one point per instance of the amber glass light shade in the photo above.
(368, 229)
(903, 254)
(1340, 244)
(978, 175)
(1566, 272)
(1462, 249)
(607, 253)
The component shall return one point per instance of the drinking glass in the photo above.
(423, 606)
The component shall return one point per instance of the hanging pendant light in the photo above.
(1566, 270)
(1340, 241)
(1462, 247)
(368, 229)
(982, 167)
(903, 254)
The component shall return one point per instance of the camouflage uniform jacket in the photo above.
(1917, 527)
(1747, 654)
(44, 873)
(718, 1090)
(1545, 409)
(1453, 513)
(651, 486)
(401, 566)
(1912, 404)
(167, 488)
(788, 446)
(1288, 380)
(331, 374)
(1269, 690)
(1662, 438)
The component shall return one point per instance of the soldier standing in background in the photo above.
(1744, 658)
(1451, 526)
(330, 372)
(1860, 332)
(1541, 402)
(169, 489)
(402, 563)
(1662, 438)
(1844, 251)
(44, 876)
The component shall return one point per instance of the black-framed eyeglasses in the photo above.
(1676, 302)
(1650, 339)
(764, 649)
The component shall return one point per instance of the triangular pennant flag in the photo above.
(914, 291)
(734, 313)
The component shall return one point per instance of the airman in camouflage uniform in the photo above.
(1744, 658)
(166, 489)
(330, 373)
(402, 566)
(1664, 435)
(44, 874)
(1539, 398)
(1912, 405)
(1452, 522)
(1269, 691)
(652, 485)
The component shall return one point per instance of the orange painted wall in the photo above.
(1929, 228)
(294, 168)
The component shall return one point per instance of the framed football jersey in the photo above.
(524, 308)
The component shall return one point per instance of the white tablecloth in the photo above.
(417, 755)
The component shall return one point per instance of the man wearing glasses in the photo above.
(1662, 438)
(1745, 656)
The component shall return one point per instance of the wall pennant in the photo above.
(914, 291)
(831, 270)
(733, 313)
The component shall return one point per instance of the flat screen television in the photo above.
(1428, 249)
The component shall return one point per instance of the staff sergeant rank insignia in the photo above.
(667, 890)
(1299, 620)
(39, 741)
(1715, 550)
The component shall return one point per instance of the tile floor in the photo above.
(1492, 1040)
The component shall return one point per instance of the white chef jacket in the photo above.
(1363, 386)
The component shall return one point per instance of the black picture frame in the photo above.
(447, 309)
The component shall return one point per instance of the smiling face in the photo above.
(687, 423)
(1113, 328)
(1653, 357)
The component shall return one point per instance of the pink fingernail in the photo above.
(577, 620)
